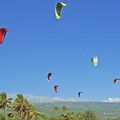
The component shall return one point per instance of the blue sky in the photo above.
(37, 43)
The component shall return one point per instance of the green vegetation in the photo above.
(21, 109)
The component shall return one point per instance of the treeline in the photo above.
(17, 109)
(20, 109)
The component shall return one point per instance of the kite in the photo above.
(55, 88)
(49, 76)
(115, 80)
(2, 34)
(94, 60)
(58, 9)
(79, 93)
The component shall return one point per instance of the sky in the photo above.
(38, 43)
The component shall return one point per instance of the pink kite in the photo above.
(55, 88)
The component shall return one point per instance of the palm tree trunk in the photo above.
(21, 115)
(4, 111)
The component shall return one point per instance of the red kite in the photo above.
(49, 76)
(2, 34)
(55, 88)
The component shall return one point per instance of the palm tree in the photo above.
(4, 102)
(33, 113)
(20, 106)
(24, 110)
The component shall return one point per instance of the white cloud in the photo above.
(44, 99)
(112, 100)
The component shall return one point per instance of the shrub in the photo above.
(90, 115)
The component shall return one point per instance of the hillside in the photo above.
(104, 109)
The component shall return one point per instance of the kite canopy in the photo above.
(94, 60)
(79, 93)
(58, 9)
(115, 80)
(55, 88)
(49, 76)
(2, 34)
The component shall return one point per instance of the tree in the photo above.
(24, 110)
(64, 108)
(90, 115)
(20, 106)
(33, 113)
(79, 116)
(55, 108)
(4, 102)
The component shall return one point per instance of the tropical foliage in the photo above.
(21, 109)
(4, 102)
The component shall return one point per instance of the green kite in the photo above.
(94, 60)
(58, 9)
